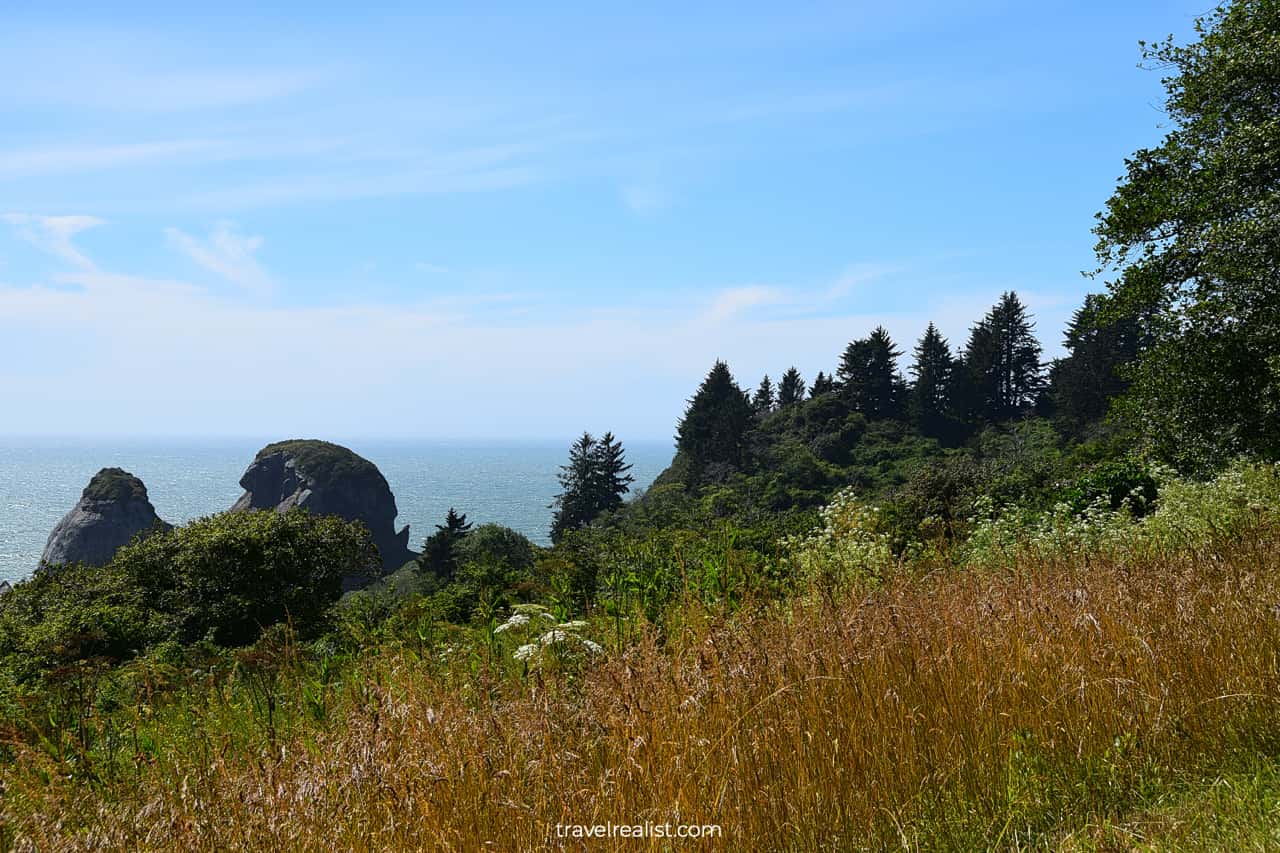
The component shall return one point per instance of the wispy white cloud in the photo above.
(200, 345)
(589, 363)
(350, 187)
(737, 300)
(227, 254)
(60, 159)
(857, 276)
(54, 234)
(644, 199)
(188, 342)
(135, 75)
(434, 269)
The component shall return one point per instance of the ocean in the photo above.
(510, 483)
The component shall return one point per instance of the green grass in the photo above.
(1237, 810)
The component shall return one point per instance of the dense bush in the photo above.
(1188, 514)
(1121, 482)
(75, 613)
(228, 576)
(225, 578)
(937, 501)
(498, 544)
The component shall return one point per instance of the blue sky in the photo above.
(536, 219)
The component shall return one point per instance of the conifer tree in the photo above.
(930, 396)
(1002, 373)
(593, 482)
(612, 473)
(791, 388)
(440, 550)
(1100, 343)
(869, 378)
(822, 384)
(763, 402)
(579, 482)
(712, 434)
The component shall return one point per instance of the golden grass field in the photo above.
(1089, 703)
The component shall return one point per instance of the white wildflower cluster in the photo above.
(523, 615)
(564, 640)
(846, 543)
(1191, 513)
(1003, 538)
(541, 634)
(515, 620)
(1187, 513)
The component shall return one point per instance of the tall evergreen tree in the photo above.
(791, 388)
(1002, 374)
(869, 378)
(763, 402)
(712, 434)
(593, 482)
(613, 474)
(440, 550)
(1101, 342)
(822, 384)
(931, 391)
(579, 483)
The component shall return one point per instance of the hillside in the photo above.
(1102, 686)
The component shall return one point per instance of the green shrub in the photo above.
(229, 576)
(937, 500)
(1119, 482)
(76, 613)
(849, 545)
(495, 543)
(1189, 514)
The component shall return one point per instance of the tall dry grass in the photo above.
(954, 710)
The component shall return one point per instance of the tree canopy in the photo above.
(593, 482)
(1102, 343)
(791, 388)
(712, 434)
(869, 378)
(932, 371)
(1001, 375)
(1193, 229)
(764, 400)
(440, 550)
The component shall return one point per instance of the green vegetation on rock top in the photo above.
(114, 484)
(323, 461)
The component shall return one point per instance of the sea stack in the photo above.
(327, 479)
(111, 511)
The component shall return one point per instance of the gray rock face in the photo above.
(112, 510)
(327, 479)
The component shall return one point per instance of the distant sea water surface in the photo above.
(510, 483)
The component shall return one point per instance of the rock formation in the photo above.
(327, 479)
(112, 510)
